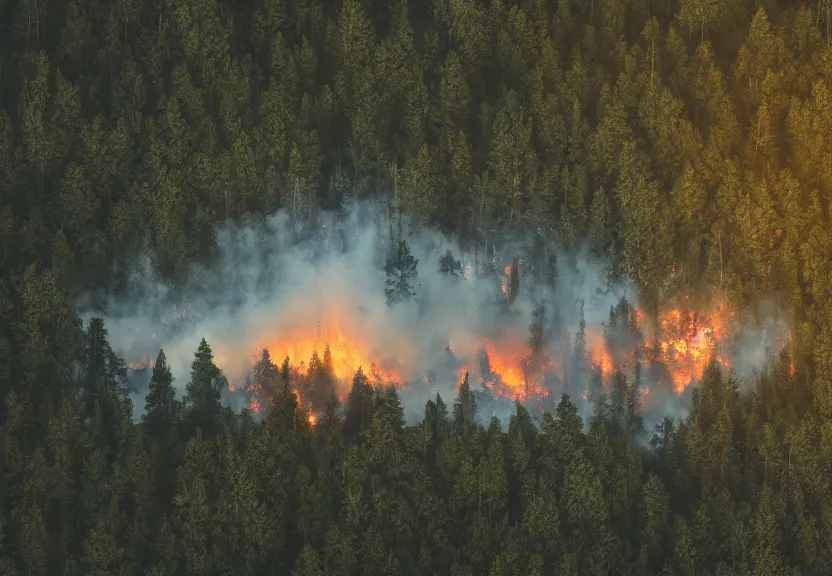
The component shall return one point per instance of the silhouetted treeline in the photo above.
(688, 143)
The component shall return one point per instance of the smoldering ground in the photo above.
(279, 286)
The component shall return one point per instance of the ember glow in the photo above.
(304, 329)
(504, 282)
(682, 339)
(145, 362)
(506, 366)
(598, 353)
(688, 340)
(324, 298)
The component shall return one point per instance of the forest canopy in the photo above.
(688, 143)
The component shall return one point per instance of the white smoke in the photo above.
(271, 278)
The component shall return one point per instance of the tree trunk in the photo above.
(37, 27)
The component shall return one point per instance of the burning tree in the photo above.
(512, 288)
(265, 381)
(320, 385)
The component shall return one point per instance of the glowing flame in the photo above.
(688, 341)
(513, 372)
(598, 353)
(346, 335)
(351, 345)
(145, 362)
(504, 281)
(681, 340)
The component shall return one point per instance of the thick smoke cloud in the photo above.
(276, 285)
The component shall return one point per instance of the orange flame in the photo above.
(504, 281)
(688, 341)
(515, 373)
(145, 362)
(680, 339)
(598, 353)
(351, 342)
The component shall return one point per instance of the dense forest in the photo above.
(688, 143)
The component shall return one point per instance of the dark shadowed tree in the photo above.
(162, 411)
(449, 266)
(359, 407)
(203, 392)
(402, 275)
(465, 407)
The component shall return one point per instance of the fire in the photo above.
(688, 341)
(598, 353)
(681, 340)
(504, 281)
(346, 334)
(513, 371)
(351, 342)
(145, 362)
(510, 281)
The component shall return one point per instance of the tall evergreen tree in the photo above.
(465, 406)
(203, 392)
(402, 275)
(162, 411)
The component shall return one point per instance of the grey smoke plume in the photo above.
(274, 282)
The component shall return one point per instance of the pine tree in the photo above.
(402, 275)
(162, 411)
(202, 398)
(449, 266)
(358, 407)
(465, 407)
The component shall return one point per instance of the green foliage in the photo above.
(449, 266)
(402, 275)
(202, 400)
(685, 144)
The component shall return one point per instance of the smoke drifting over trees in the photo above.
(173, 170)
(412, 310)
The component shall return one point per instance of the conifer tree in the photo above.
(162, 411)
(465, 406)
(402, 275)
(202, 398)
(449, 266)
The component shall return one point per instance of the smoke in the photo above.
(276, 285)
